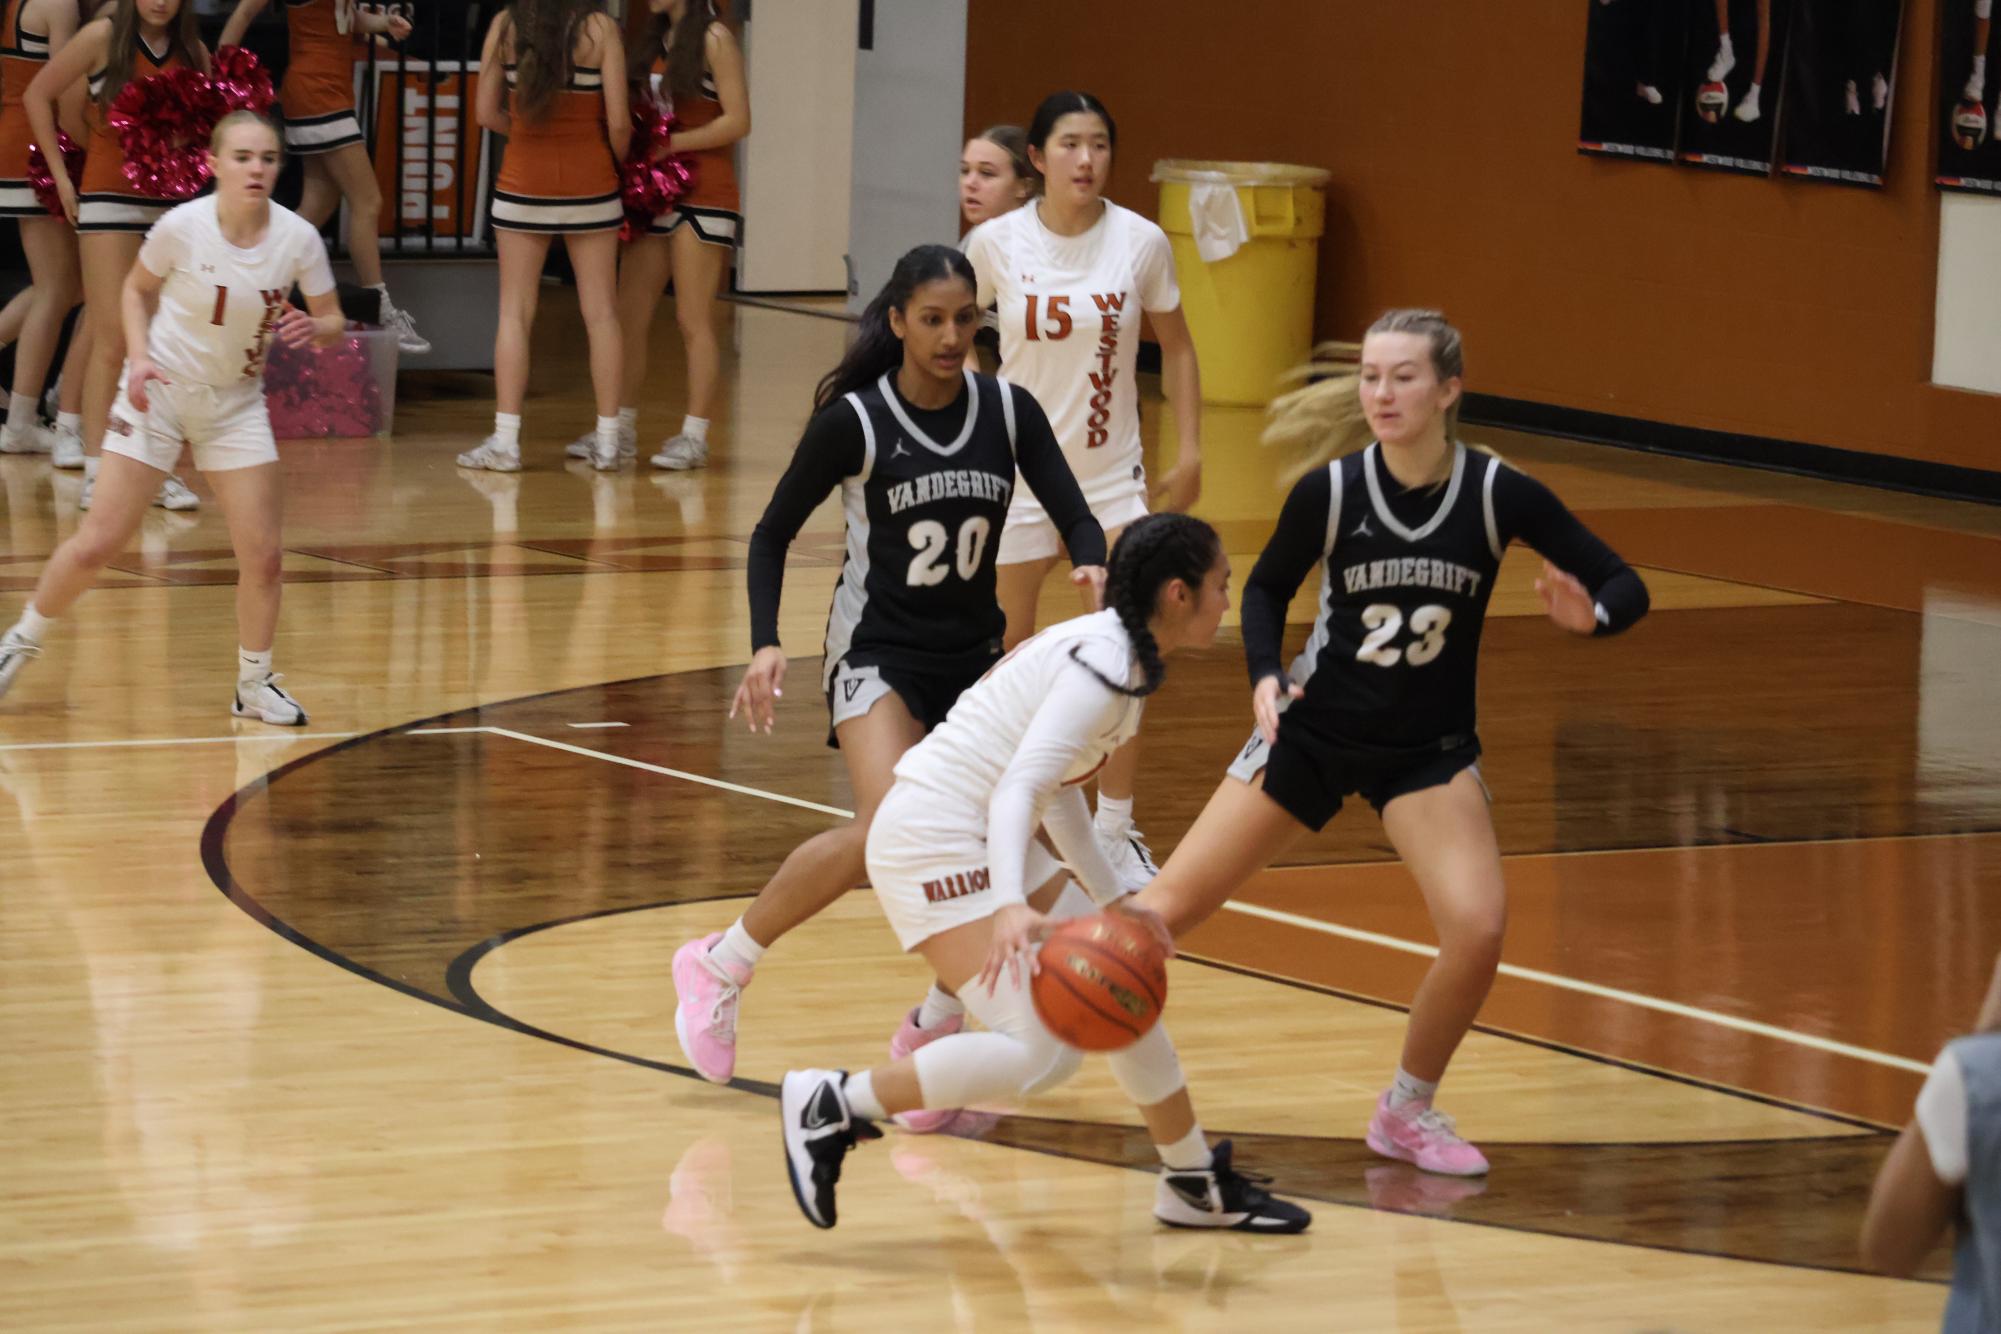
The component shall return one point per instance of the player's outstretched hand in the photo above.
(762, 682)
(139, 373)
(1091, 578)
(1155, 924)
(1018, 929)
(1567, 601)
(1264, 704)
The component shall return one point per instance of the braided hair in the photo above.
(1152, 551)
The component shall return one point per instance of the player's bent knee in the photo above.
(1054, 1064)
(1149, 1071)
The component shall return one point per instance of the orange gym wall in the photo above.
(1766, 307)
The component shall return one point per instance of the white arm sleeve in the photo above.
(1942, 1118)
(1077, 707)
(979, 250)
(1068, 820)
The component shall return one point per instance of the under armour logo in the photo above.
(1028, 277)
(208, 268)
(1362, 529)
(851, 686)
(897, 451)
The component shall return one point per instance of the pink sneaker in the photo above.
(705, 1013)
(909, 1037)
(1417, 1134)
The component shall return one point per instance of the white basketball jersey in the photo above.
(1069, 310)
(221, 303)
(978, 741)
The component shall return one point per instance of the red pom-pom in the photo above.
(43, 181)
(650, 180)
(164, 120)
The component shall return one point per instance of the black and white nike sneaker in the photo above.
(1222, 1197)
(818, 1130)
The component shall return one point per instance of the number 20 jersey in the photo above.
(1396, 644)
(923, 518)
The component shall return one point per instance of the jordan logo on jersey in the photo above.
(897, 451)
(956, 886)
(1362, 529)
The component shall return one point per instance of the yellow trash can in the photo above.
(1246, 239)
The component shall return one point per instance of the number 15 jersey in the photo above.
(220, 303)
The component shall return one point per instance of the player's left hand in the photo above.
(1155, 924)
(139, 373)
(1567, 601)
(1017, 929)
(297, 329)
(1091, 578)
(1180, 488)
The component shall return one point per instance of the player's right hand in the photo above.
(138, 373)
(1264, 705)
(761, 687)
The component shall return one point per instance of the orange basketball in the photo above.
(1102, 983)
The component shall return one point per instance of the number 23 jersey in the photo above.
(220, 303)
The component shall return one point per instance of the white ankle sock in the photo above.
(860, 1094)
(252, 666)
(32, 625)
(1408, 1088)
(628, 420)
(737, 947)
(70, 423)
(1115, 814)
(607, 429)
(1190, 1153)
(939, 1005)
(696, 428)
(507, 430)
(20, 413)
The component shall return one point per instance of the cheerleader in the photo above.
(137, 39)
(30, 31)
(925, 454)
(691, 61)
(1071, 274)
(1408, 534)
(321, 127)
(567, 127)
(201, 305)
(964, 811)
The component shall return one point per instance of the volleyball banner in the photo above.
(1632, 78)
(1969, 98)
(1731, 72)
(1841, 72)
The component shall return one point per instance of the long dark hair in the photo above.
(686, 48)
(1058, 105)
(1151, 551)
(543, 35)
(876, 348)
(183, 40)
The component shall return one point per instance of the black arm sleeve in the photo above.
(1048, 475)
(1296, 546)
(831, 449)
(1524, 508)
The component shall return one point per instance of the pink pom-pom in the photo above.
(650, 180)
(322, 392)
(43, 181)
(241, 80)
(164, 120)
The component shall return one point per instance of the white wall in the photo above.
(796, 165)
(1966, 334)
(910, 97)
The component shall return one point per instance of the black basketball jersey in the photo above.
(924, 519)
(1396, 647)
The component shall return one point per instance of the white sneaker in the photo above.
(67, 451)
(174, 495)
(15, 651)
(1975, 90)
(492, 456)
(397, 321)
(266, 703)
(1130, 857)
(682, 453)
(35, 439)
(628, 444)
(1647, 93)
(1879, 93)
(1851, 99)
(1726, 60)
(1747, 110)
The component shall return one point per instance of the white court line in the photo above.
(1556, 980)
(672, 773)
(585, 727)
(260, 737)
(445, 731)
(1633, 998)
